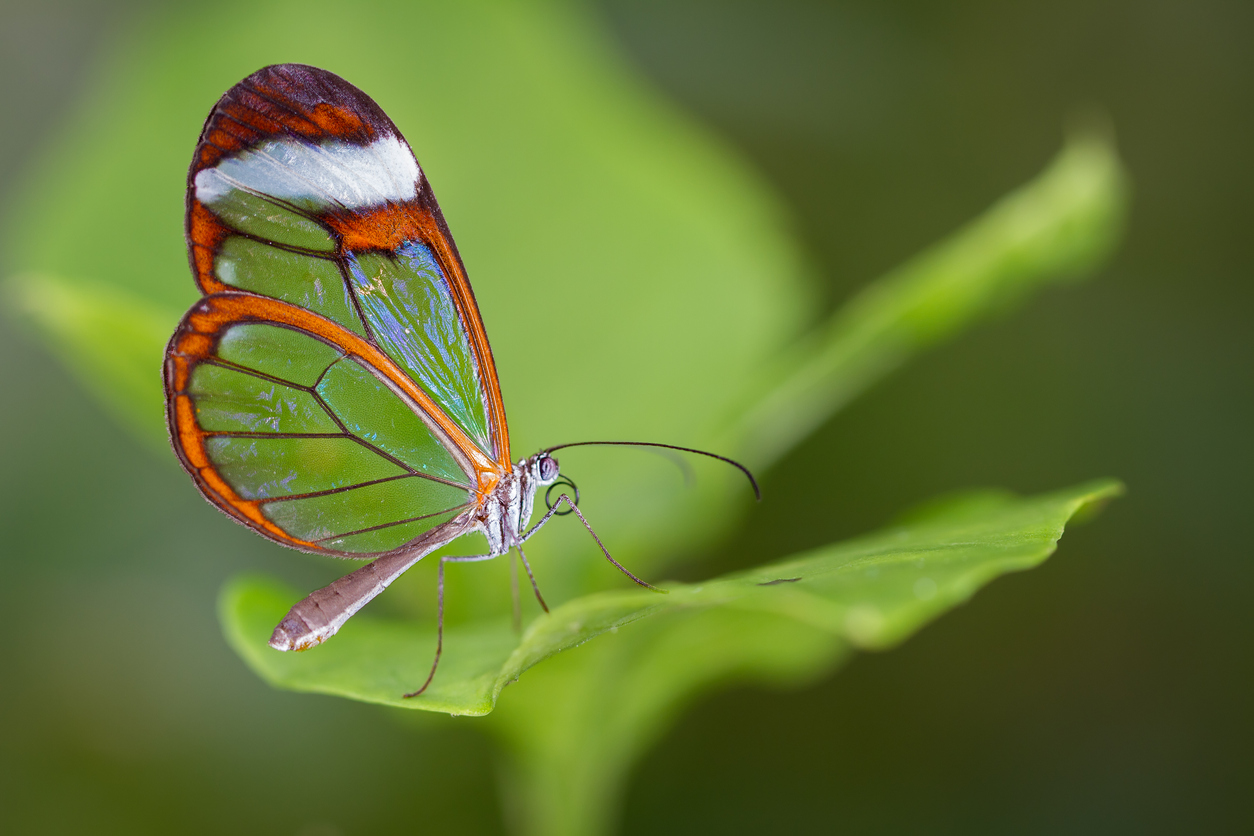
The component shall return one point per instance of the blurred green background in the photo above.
(1105, 692)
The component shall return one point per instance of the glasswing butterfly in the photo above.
(334, 389)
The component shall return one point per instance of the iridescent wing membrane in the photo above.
(334, 389)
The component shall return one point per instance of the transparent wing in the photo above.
(307, 433)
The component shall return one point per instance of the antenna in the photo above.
(754, 482)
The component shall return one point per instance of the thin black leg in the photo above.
(534, 587)
(439, 612)
(566, 498)
(513, 591)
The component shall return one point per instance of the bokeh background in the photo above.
(1108, 691)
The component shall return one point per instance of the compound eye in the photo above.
(548, 469)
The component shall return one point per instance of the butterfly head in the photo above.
(533, 473)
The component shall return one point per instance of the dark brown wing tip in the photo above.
(289, 100)
(313, 88)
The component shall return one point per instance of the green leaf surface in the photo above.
(869, 593)
(575, 725)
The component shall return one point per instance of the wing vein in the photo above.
(343, 488)
(227, 364)
(268, 198)
(285, 167)
(391, 524)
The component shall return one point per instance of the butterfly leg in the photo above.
(534, 587)
(513, 591)
(566, 498)
(439, 611)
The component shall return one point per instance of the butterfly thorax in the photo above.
(504, 515)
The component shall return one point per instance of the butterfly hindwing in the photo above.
(291, 429)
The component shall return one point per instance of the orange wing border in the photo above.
(195, 341)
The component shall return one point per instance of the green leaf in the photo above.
(870, 593)
(781, 623)
(575, 725)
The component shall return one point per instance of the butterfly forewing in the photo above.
(335, 389)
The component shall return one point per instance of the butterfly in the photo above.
(334, 389)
